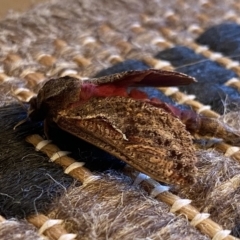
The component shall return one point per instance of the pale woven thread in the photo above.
(84, 78)
(236, 18)
(232, 64)
(69, 72)
(95, 178)
(27, 71)
(204, 2)
(73, 166)
(4, 77)
(2, 219)
(231, 150)
(63, 66)
(204, 108)
(174, 90)
(157, 40)
(42, 144)
(215, 56)
(140, 178)
(136, 25)
(58, 154)
(194, 28)
(186, 98)
(229, 15)
(205, 51)
(200, 217)
(24, 90)
(171, 90)
(89, 40)
(178, 204)
(201, 49)
(161, 64)
(91, 179)
(113, 57)
(169, 13)
(221, 235)
(41, 55)
(231, 81)
(157, 187)
(68, 236)
(218, 56)
(48, 224)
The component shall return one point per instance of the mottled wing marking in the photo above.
(146, 137)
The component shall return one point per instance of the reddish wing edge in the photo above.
(148, 78)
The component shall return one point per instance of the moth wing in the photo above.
(147, 143)
(149, 77)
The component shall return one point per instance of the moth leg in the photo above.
(206, 126)
(216, 128)
(198, 124)
(206, 143)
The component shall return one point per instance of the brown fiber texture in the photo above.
(87, 38)
(18, 230)
(216, 190)
(112, 208)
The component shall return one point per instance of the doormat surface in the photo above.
(62, 187)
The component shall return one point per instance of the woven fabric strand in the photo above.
(90, 39)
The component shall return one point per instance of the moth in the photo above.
(150, 135)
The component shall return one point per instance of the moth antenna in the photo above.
(20, 123)
(203, 60)
(24, 120)
(191, 64)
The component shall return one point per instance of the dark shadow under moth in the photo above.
(150, 135)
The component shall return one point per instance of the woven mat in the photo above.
(105, 199)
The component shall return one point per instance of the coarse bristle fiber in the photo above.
(29, 181)
(112, 207)
(216, 190)
(85, 39)
(18, 230)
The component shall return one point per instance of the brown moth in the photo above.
(145, 133)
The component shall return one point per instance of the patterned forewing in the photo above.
(146, 137)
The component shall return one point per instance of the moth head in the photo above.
(55, 95)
